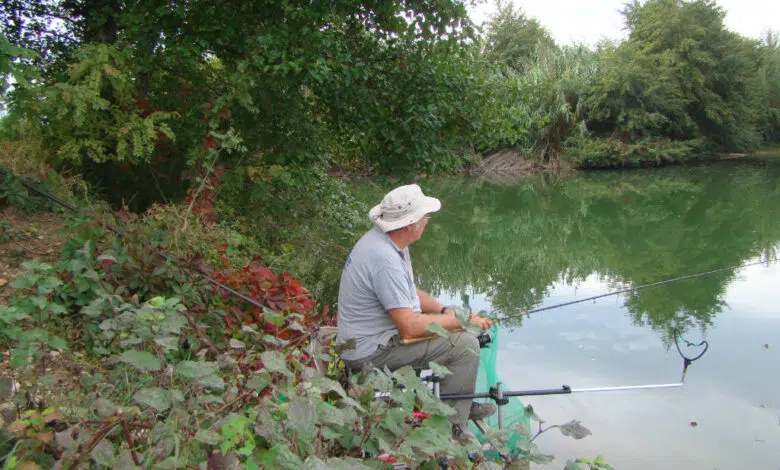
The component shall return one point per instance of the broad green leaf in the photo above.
(103, 453)
(39, 301)
(441, 371)
(394, 421)
(47, 285)
(153, 397)
(96, 307)
(572, 465)
(68, 439)
(208, 398)
(541, 459)
(438, 329)
(207, 437)
(7, 388)
(301, 415)
(280, 456)
(58, 309)
(275, 361)
(195, 369)
(23, 282)
(574, 429)
(141, 360)
(273, 317)
(258, 382)
(55, 342)
(125, 461)
(169, 343)
(531, 414)
(19, 357)
(213, 382)
(47, 380)
(329, 414)
(105, 407)
(328, 385)
(274, 341)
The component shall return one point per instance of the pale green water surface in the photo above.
(550, 239)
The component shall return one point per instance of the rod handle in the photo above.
(408, 341)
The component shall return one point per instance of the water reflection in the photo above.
(511, 249)
(514, 244)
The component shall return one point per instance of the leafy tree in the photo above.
(555, 80)
(769, 94)
(512, 38)
(297, 82)
(680, 74)
(632, 96)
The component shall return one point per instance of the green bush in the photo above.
(615, 153)
(165, 385)
(305, 220)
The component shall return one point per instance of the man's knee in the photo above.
(466, 342)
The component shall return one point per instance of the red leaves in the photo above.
(280, 293)
(208, 142)
(146, 108)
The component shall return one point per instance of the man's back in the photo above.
(377, 276)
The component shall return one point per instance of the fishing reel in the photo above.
(484, 340)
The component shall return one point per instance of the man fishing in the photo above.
(379, 306)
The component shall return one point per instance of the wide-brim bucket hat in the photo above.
(402, 206)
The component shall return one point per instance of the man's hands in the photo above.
(484, 323)
(475, 319)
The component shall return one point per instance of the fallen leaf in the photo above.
(17, 426)
(3, 281)
(28, 466)
(45, 437)
(694, 424)
(51, 417)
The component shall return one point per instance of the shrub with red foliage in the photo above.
(281, 293)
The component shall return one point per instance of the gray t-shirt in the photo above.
(377, 276)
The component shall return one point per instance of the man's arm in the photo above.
(428, 304)
(412, 325)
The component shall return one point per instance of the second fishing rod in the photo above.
(501, 397)
(631, 289)
(485, 338)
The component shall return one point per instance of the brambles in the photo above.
(170, 372)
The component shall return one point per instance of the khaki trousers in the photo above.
(459, 353)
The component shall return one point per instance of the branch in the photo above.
(200, 334)
(541, 431)
(99, 435)
(131, 443)
(199, 190)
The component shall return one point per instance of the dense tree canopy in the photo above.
(512, 38)
(397, 86)
(392, 81)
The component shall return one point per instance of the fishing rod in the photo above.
(485, 339)
(630, 289)
(501, 397)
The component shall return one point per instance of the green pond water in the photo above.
(511, 248)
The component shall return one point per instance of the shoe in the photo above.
(464, 437)
(481, 410)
